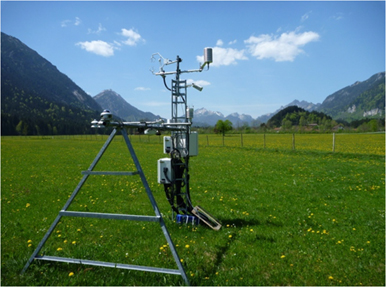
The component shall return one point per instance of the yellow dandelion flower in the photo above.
(182, 260)
(187, 246)
(230, 236)
(330, 277)
(71, 274)
(74, 242)
(283, 256)
(29, 241)
(27, 205)
(29, 245)
(59, 249)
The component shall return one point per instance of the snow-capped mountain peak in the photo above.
(205, 112)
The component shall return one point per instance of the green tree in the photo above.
(287, 124)
(19, 127)
(302, 122)
(373, 125)
(223, 126)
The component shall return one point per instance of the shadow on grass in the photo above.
(238, 222)
(235, 224)
(222, 251)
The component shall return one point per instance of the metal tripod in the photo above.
(156, 218)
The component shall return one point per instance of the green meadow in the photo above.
(290, 216)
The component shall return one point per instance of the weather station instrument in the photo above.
(173, 172)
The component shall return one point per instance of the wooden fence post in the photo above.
(264, 140)
(293, 141)
(333, 142)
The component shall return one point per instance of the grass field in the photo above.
(290, 217)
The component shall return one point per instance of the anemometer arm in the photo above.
(106, 120)
(208, 58)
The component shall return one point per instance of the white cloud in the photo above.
(132, 37)
(141, 89)
(97, 47)
(224, 56)
(77, 21)
(105, 49)
(338, 16)
(306, 16)
(219, 42)
(117, 45)
(283, 48)
(100, 29)
(66, 23)
(232, 42)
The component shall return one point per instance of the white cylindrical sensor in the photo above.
(189, 113)
(208, 55)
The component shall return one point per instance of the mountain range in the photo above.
(36, 98)
(359, 100)
(204, 117)
(108, 99)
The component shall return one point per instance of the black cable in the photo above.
(164, 78)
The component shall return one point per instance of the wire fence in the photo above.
(356, 143)
(366, 143)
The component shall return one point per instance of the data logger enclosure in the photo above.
(164, 168)
(180, 144)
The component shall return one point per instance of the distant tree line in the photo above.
(295, 119)
(28, 114)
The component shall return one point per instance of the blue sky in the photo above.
(266, 54)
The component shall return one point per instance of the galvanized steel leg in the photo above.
(75, 192)
(155, 207)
